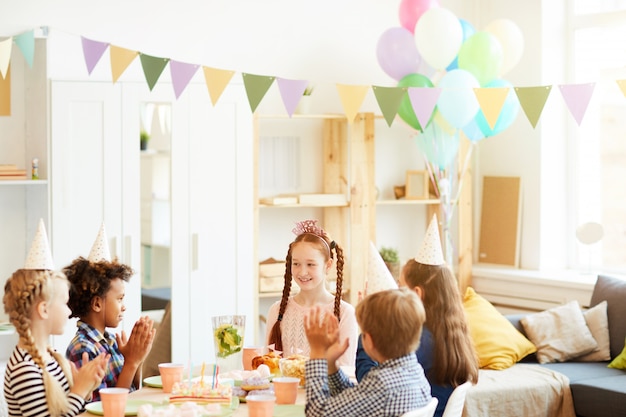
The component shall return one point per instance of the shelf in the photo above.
(303, 205)
(430, 201)
(23, 182)
(301, 116)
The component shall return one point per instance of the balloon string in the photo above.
(463, 170)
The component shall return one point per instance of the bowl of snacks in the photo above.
(293, 366)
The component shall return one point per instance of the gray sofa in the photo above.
(598, 391)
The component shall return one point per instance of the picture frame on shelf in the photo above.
(416, 185)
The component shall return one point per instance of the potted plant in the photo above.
(392, 260)
(144, 137)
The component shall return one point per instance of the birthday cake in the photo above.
(200, 393)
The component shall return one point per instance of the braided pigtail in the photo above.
(276, 336)
(22, 292)
(339, 285)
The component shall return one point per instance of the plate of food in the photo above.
(132, 407)
(153, 381)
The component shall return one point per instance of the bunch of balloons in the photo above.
(434, 48)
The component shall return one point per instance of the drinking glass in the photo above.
(228, 332)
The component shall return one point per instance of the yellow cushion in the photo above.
(620, 360)
(498, 343)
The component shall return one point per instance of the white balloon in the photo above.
(511, 39)
(438, 36)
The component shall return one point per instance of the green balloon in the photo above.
(405, 111)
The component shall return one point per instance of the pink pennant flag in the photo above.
(93, 51)
(424, 100)
(577, 97)
(291, 92)
(182, 73)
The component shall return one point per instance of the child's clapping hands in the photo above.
(322, 332)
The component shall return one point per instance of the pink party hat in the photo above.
(100, 249)
(378, 276)
(39, 256)
(430, 252)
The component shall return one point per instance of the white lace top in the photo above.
(292, 327)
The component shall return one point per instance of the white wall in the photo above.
(331, 41)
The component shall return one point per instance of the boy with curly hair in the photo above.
(97, 299)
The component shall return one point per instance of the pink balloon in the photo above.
(411, 10)
(397, 53)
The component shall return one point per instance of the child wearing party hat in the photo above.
(446, 351)
(38, 380)
(97, 299)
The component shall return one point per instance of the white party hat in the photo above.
(100, 249)
(378, 276)
(39, 256)
(430, 252)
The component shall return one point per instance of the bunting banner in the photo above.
(389, 100)
(622, 86)
(26, 43)
(121, 58)
(423, 100)
(5, 55)
(291, 92)
(352, 97)
(93, 51)
(532, 100)
(181, 73)
(491, 101)
(153, 67)
(5, 94)
(256, 88)
(577, 97)
(216, 81)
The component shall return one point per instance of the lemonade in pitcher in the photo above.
(228, 332)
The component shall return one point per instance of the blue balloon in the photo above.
(472, 130)
(508, 114)
(468, 30)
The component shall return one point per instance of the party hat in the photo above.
(378, 276)
(39, 256)
(100, 249)
(430, 252)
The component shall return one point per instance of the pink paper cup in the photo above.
(260, 405)
(250, 353)
(114, 401)
(286, 389)
(171, 373)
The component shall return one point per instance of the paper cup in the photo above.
(171, 373)
(286, 389)
(114, 401)
(260, 405)
(250, 353)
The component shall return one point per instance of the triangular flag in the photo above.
(577, 98)
(491, 100)
(532, 100)
(5, 94)
(5, 55)
(181, 73)
(256, 87)
(352, 97)
(389, 99)
(39, 256)
(423, 101)
(26, 42)
(291, 92)
(378, 276)
(622, 86)
(430, 252)
(93, 51)
(216, 81)
(121, 58)
(100, 249)
(153, 67)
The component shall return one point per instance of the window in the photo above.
(599, 144)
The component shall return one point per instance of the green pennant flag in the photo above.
(152, 68)
(26, 42)
(532, 100)
(389, 100)
(256, 87)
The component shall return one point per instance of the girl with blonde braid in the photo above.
(309, 259)
(39, 381)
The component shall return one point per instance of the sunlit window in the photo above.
(598, 6)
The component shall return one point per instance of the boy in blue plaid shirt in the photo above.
(391, 324)
(97, 299)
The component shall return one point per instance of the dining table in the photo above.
(157, 397)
